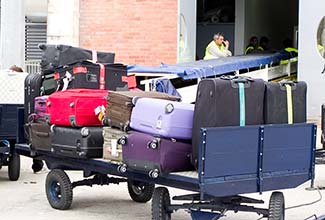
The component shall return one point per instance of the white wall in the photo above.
(36, 8)
(63, 22)
(12, 37)
(311, 63)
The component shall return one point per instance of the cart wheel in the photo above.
(139, 191)
(37, 165)
(14, 167)
(160, 203)
(58, 189)
(276, 206)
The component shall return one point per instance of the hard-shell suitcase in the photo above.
(110, 76)
(119, 106)
(40, 106)
(163, 118)
(54, 56)
(227, 101)
(285, 102)
(39, 136)
(112, 148)
(75, 107)
(155, 155)
(33, 84)
(85, 142)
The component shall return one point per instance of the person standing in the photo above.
(217, 48)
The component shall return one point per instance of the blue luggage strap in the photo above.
(242, 113)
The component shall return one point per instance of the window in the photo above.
(321, 38)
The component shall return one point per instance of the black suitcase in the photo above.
(90, 75)
(39, 136)
(226, 101)
(33, 84)
(281, 107)
(54, 56)
(86, 142)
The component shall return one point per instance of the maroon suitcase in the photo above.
(155, 155)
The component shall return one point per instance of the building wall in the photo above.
(138, 31)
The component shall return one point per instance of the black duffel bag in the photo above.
(54, 56)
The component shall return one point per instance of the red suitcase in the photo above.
(75, 107)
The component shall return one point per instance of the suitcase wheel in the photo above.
(154, 173)
(105, 121)
(52, 128)
(169, 108)
(122, 140)
(122, 168)
(154, 144)
(126, 127)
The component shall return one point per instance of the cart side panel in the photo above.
(251, 159)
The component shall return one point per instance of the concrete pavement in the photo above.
(26, 199)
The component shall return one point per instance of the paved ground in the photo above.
(25, 199)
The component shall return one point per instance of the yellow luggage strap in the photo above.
(289, 104)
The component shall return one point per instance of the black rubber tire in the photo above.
(160, 202)
(276, 206)
(58, 190)
(14, 167)
(37, 165)
(139, 191)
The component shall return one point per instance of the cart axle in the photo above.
(98, 179)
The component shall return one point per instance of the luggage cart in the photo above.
(232, 161)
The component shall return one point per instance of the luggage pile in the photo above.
(240, 101)
(93, 114)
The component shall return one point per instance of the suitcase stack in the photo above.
(69, 111)
(159, 141)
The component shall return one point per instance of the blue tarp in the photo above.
(214, 67)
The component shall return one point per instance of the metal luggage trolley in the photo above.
(233, 161)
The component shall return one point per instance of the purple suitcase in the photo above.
(40, 106)
(147, 153)
(163, 118)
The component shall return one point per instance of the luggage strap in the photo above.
(94, 56)
(241, 104)
(289, 103)
(101, 76)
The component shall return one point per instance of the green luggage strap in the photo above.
(289, 103)
(242, 114)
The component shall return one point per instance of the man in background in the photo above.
(217, 48)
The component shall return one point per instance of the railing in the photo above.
(32, 66)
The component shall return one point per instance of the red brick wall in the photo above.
(138, 31)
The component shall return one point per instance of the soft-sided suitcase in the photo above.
(33, 84)
(119, 106)
(112, 148)
(163, 118)
(54, 56)
(75, 107)
(285, 102)
(227, 101)
(110, 76)
(40, 106)
(85, 142)
(155, 155)
(39, 136)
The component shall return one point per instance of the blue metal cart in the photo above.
(11, 128)
(233, 161)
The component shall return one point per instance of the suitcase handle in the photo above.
(42, 134)
(287, 82)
